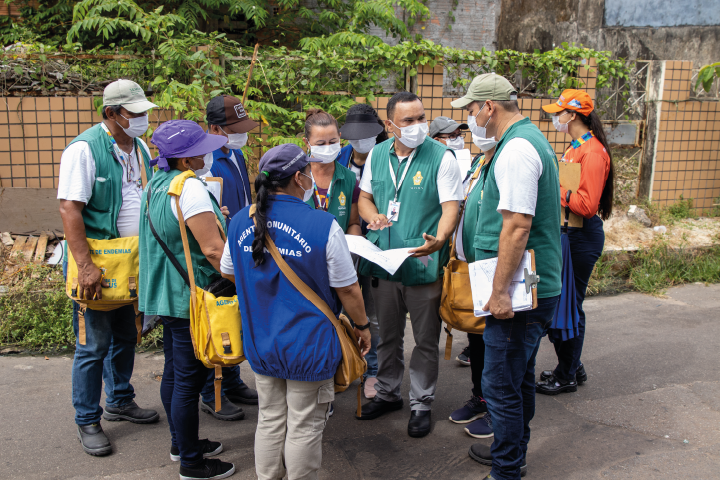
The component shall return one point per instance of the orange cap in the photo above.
(572, 99)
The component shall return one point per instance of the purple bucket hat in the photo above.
(182, 138)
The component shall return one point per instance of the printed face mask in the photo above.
(475, 129)
(307, 193)
(456, 144)
(413, 135)
(363, 146)
(484, 144)
(561, 127)
(236, 141)
(137, 126)
(326, 153)
(207, 164)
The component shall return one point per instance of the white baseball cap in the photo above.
(128, 95)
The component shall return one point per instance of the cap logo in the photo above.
(292, 161)
(135, 90)
(575, 103)
(240, 111)
(561, 98)
(559, 102)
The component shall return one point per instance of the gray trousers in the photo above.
(393, 300)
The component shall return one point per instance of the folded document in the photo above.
(481, 276)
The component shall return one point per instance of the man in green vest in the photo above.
(99, 189)
(410, 193)
(519, 210)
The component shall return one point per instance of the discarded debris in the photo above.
(638, 214)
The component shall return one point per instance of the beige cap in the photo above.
(128, 95)
(488, 86)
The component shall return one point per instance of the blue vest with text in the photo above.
(284, 335)
(236, 186)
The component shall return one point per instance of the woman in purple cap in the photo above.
(163, 291)
(290, 344)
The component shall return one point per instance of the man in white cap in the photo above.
(99, 189)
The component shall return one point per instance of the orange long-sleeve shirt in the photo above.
(595, 169)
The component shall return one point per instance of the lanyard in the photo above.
(130, 171)
(473, 178)
(324, 206)
(578, 143)
(403, 176)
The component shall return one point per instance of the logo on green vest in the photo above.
(342, 199)
(418, 178)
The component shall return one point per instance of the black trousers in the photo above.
(476, 358)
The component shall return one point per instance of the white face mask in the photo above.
(236, 141)
(326, 153)
(137, 126)
(413, 135)
(306, 193)
(207, 164)
(363, 146)
(475, 129)
(456, 144)
(484, 144)
(561, 127)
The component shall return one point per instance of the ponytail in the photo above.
(264, 186)
(593, 123)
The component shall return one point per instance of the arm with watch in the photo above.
(353, 304)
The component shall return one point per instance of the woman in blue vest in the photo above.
(182, 144)
(290, 344)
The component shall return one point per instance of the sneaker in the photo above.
(208, 469)
(463, 358)
(481, 453)
(369, 389)
(481, 428)
(130, 412)
(94, 440)
(228, 412)
(553, 386)
(208, 448)
(330, 410)
(581, 375)
(472, 410)
(242, 395)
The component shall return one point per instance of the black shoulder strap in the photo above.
(163, 246)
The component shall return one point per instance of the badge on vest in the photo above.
(342, 199)
(418, 178)
(393, 213)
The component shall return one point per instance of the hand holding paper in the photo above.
(389, 260)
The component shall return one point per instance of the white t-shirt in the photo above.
(341, 272)
(194, 200)
(517, 172)
(77, 178)
(448, 181)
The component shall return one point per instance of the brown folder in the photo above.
(569, 177)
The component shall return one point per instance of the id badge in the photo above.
(393, 213)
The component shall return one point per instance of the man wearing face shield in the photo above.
(99, 189)
(226, 116)
(410, 193)
(519, 210)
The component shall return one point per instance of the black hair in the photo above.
(172, 162)
(593, 123)
(264, 186)
(114, 108)
(366, 109)
(399, 97)
(317, 117)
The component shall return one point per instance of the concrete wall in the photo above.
(530, 24)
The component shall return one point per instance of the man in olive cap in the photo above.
(519, 210)
(99, 189)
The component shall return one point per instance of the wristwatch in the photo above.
(362, 328)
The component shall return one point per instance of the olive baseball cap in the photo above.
(488, 86)
(128, 95)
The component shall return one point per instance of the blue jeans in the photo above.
(586, 245)
(183, 379)
(511, 346)
(231, 380)
(372, 359)
(108, 355)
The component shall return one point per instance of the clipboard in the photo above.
(569, 178)
(220, 181)
(531, 279)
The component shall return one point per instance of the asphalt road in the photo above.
(650, 410)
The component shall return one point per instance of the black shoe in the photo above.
(581, 375)
(228, 412)
(419, 424)
(481, 453)
(130, 412)
(242, 395)
(94, 440)
(552, 386)
(464, 358)
(208, 448)
(377, 407)
(208, 469)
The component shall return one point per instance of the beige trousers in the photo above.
(291, 419)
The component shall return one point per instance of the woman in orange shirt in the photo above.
(574, 114)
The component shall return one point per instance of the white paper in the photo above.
(389, 260)
(57, 254)
(463, 157)
(214, 188)
(481, 276)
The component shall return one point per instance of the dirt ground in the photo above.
(623, 233)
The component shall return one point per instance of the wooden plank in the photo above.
(570, 175)
(29, 248)
(40, 249)
(18, 246)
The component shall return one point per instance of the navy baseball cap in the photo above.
(176, 139)
(282, 161)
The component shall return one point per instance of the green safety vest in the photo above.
(544, 233)
(100, 214)
(419, 212)
(471, 210)
(339, 195)
(161, 289)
